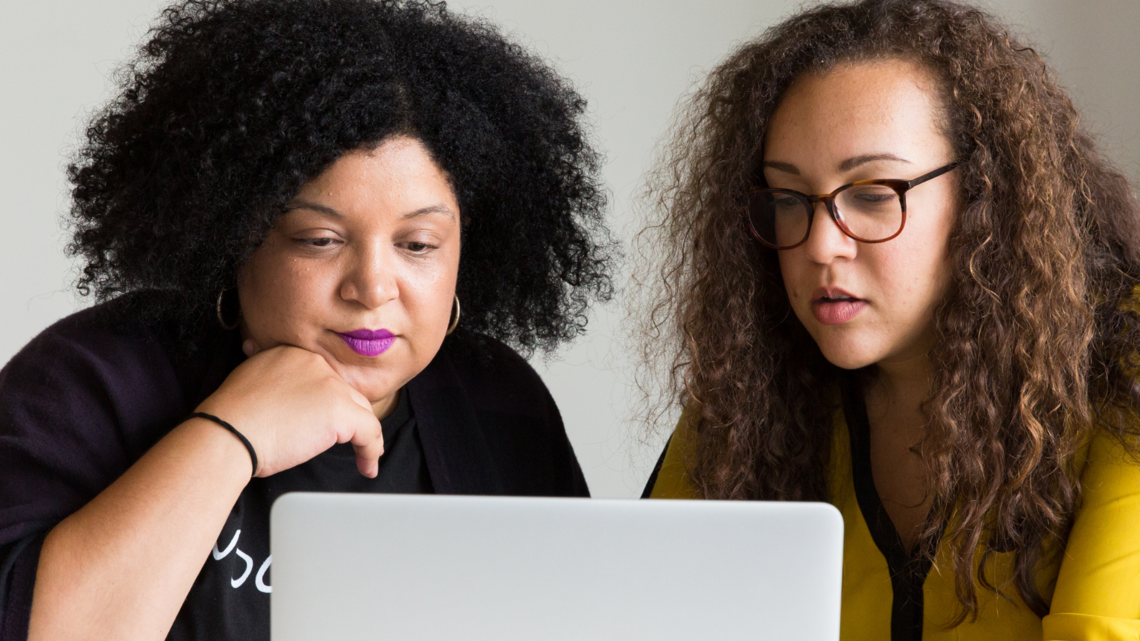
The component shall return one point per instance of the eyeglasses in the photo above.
(870, 211)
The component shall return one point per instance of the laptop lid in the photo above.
(434, 568)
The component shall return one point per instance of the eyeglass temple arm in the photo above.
(934, 174)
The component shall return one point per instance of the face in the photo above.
(865, 303)
(361, 269)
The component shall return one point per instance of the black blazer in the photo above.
(92, 393)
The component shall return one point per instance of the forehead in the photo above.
(395, 178)
(858, 108)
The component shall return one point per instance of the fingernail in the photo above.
(247, 347)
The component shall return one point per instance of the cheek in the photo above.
(426, 292)
(915, 273)
(792, 265)
(282, 297)
(432, 295)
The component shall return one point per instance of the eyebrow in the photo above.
(304, 204)
(430, 209)
(851, 163)
(846, 165)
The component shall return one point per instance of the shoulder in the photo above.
(99, 365)
(108, 341)
(513, 413)
(115, 323)
(496, 377)
(1100, 569)
(1110, 469)
(106, 332)
(78, 405)
(670, 477)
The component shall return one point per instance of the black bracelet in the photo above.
(244, 440)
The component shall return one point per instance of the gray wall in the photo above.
(631, 58)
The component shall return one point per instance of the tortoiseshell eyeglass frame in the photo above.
(900, 187)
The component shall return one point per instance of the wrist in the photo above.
(232, 430)
(235, 446)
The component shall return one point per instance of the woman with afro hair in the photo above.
(903, 280)
(313, 227)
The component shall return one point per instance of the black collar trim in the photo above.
(907, 573)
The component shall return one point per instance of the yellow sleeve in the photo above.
(673, 477)
(1098, 588)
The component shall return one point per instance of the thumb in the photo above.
(359, 398)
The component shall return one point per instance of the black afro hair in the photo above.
(232, 105)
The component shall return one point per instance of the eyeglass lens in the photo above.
(781, 218)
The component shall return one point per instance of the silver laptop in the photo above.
(435, 568)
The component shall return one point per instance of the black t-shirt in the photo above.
(90, 395)
(230, 597)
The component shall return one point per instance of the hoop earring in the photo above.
(221, 319)
(455, 318)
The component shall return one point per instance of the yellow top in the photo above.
(1097, 594)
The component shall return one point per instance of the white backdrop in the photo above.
(632, 59)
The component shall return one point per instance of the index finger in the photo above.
(368, 443)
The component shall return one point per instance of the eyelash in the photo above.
(423, 247)
(419, 248)
(316, 243)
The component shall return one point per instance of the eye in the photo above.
(319, 242)
(417, 247)
(875, 198)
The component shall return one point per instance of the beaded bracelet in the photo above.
(231, 428)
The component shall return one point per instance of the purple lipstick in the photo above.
(368, 342)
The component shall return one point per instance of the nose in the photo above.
(826, 241)
(370, 278)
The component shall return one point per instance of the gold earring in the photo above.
(221, 319)
(455, 317)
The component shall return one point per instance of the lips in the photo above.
(834, 306)
(368, 342)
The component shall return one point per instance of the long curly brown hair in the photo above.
(1037, 338)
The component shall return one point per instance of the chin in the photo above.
(844, 355)
(847, 363)
(371, 386)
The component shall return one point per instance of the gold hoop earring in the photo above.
(221, 319)
(455, 317)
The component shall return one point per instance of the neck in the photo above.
(385, 406)
(901, 385)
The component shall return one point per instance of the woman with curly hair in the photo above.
(281, 213)
(901, 280)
